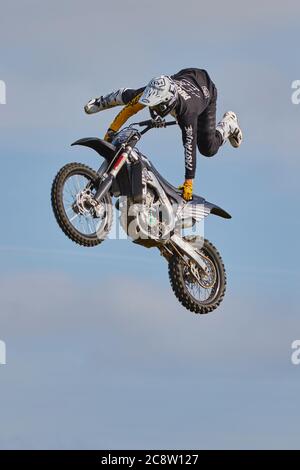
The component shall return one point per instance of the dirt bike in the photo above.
(151, 211)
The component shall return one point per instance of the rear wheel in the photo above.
(197, 292)
(79, 215)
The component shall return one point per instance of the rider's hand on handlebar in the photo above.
(158, 122)
(187, 190)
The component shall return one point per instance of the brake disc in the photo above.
(86, 204)
(206, 280)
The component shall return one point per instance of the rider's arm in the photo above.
(188, 125)
(129, 110)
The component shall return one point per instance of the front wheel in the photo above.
(84, 220)
(197, 292)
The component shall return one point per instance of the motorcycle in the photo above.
(152, 212)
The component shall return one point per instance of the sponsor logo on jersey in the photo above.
(187, 89)
(205, 91)
(189, 147)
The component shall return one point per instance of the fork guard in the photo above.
(122, 183)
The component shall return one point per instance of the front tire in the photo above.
(182, 282)
(95, 226)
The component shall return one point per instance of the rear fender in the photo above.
(211, 208)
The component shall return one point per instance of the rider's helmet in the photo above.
(160, 95)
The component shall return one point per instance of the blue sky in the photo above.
(99, 352)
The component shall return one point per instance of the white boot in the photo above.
(229, 129)
(105, 102)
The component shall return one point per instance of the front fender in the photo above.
(103, 148)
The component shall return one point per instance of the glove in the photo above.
(110, 135)
(187, 190)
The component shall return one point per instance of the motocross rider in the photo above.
(190, 97)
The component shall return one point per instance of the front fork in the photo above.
(112, 171)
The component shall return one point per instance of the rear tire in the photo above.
(179, 281)
(57, 199)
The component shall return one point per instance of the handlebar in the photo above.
(150, 123)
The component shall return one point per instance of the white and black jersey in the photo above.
(194, 112)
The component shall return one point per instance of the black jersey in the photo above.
(195, 90)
